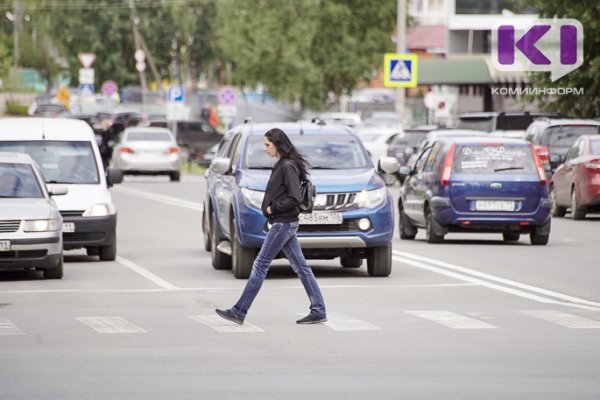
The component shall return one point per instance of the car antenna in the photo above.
(43, 131)
(301, 130)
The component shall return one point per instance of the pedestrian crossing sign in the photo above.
(400, 70)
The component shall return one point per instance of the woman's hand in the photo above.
(269, 210)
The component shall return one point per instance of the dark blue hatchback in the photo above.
(476, 184)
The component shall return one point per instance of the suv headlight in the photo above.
(40, 225)
(253, 198)
(370, 198)
(100, 210)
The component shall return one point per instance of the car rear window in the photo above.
(323, 152)
(412, 138)
(513, 122)
(493, 159)
(151, 136)
(476, 123)
(566, 135)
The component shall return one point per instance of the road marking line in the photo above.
(173, 201)
(110, 325)
(222, 325)
(342, 323)
(7, 328)
(564, 319)
(147, 274)
(452, 320)
(443, 267)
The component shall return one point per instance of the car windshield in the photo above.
(493, 159)
(19, 180)
(566, 135)
(476, 123)
(60, 161)
(595, 147)
(323, 152)
(148, 135)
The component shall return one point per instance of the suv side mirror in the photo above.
(58, 190)
(388, 165)
(113, 176)
(220, 165)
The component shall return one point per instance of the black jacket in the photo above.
(283, 192)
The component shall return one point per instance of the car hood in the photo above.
(325, 181)
(82, 197)
(23, 208)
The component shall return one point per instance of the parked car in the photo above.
(476, 184)
(508, 124)
(553, 137)
(576, 182)
(148, 151)
(30, 223)
(68, 155)
(353, 216)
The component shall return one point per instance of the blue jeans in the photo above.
(281, 236)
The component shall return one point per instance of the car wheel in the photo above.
(379, 260)
(108, 253)
(219, 260)
(407, 230)
(556, 211)
(56, 272)
(432, 229)
(511, 237)
(242, 258)
(577, 212)
(175, 176)
(206, 231)
(351, 262)
(541, 234)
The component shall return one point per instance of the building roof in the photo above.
(427, 37)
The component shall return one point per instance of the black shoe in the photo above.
(312, 319)
(230, 315)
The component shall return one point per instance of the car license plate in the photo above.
(68, 227)
(4, 245)
(494, 205)
(321, 219)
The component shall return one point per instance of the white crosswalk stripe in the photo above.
(110, 324)
(451, 320)
(563, 319)
(342, 322)
(222, 325)
(7, 328)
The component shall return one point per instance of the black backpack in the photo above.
(307, 195)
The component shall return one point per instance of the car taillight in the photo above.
(173, 150)
(539, 165)
(447, 170)
(127, 150)
(542, 152)
(593, 165)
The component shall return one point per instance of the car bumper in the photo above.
(90, 231)
(171, 163)
(37, 250)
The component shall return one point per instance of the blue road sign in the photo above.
(400, 70)
(86, 89)
(176, 94)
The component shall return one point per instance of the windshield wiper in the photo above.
(507, 169)
(322, 167)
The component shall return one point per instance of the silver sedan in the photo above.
(148, 150)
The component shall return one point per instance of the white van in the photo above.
(67, 152)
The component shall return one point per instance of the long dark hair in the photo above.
(287, 150)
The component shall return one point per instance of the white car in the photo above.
(30, 223)
(377, 140)
(148, 150)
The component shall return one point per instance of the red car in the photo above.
(576, 182)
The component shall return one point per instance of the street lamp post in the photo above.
(400, 44)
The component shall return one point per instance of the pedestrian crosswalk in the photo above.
(338, 322)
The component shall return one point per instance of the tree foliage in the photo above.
(588, 75)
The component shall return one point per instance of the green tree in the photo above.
(303, 49)
(588, 75)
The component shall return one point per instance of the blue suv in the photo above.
(476, 184)
(353, 217)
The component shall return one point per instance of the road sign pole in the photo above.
(400, 43)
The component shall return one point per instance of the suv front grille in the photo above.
(335, 201)
(9, 225)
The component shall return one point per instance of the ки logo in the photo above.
(554, 45)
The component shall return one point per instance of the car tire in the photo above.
(108, 253)
(577, 212)
(556, 211)
(242, 258)
(175, 176)
(432, 229)
(56, 272)
(540, 239)
(351, 262)
(379, 260)
(511, 237)
(407, 230)
(219, 260)
(206, 231)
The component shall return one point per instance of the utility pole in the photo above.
(400, 45)
(136, 37)
(18, 16)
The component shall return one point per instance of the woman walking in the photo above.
(280, 206)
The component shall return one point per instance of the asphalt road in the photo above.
(472, 318)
